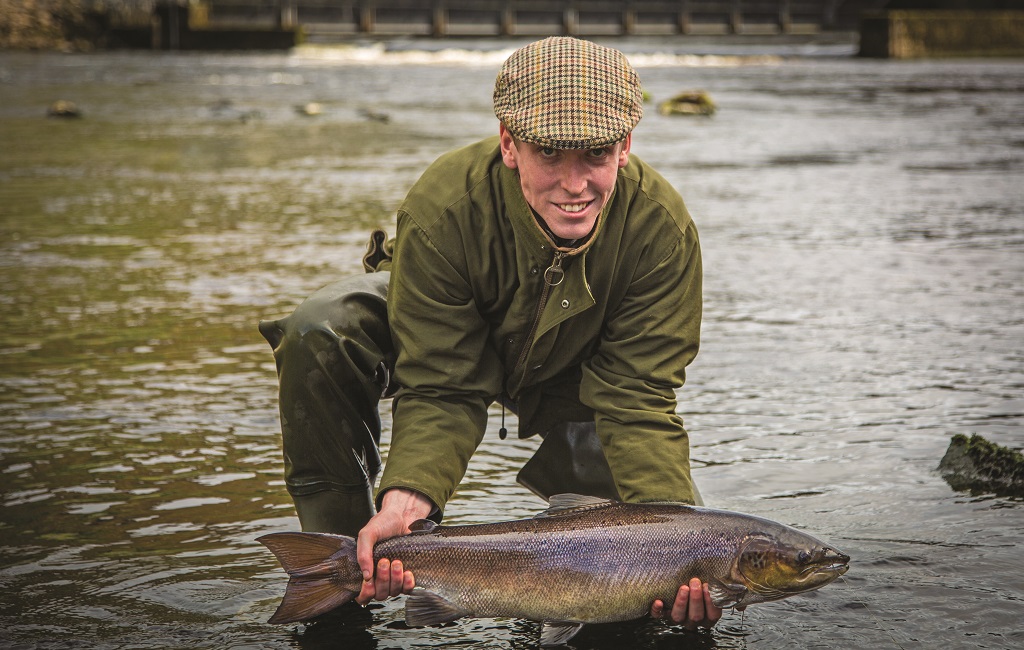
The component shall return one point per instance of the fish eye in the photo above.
(803, 557)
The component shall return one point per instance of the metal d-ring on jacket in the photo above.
(481, 303)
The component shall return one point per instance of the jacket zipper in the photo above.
(553, 277)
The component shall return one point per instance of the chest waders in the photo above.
(333, 356)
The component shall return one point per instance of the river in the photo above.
(863, 237)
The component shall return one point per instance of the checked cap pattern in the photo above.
(566, 93)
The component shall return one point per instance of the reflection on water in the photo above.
(862, 231)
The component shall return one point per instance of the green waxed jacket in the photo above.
(473, 318)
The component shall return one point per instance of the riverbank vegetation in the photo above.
(72, 25)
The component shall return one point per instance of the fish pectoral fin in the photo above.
(558, 632)
(725, 595)
(563, 504)
(427, 608)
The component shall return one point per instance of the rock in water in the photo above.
(63, 108)
(977, 465)
(693, 102)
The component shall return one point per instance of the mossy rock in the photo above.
(974, 464)
(692, 102)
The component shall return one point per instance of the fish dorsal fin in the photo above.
(427, 608)
(561, 504)
(725, 595)
(557, 632)
(422, 526)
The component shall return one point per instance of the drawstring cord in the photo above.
(502, 432)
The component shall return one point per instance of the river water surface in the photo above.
(863, 233)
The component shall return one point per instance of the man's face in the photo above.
(568, 188)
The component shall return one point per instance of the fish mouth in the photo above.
(830, 561)
(836, 567)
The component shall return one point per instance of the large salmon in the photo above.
(583, 560)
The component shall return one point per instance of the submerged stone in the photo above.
(310, 109)
(63, 108)
(977, 465)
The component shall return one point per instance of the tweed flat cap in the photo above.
(567, 93)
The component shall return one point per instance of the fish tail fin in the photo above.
(322, 573)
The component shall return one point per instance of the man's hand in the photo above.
(692, 609)
(398, 510)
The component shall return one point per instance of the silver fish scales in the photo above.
(583, 560)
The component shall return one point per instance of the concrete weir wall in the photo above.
(919, 34)
(179, 26)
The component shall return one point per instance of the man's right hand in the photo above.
(399, 509)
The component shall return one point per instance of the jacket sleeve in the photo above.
(649, 339)
(445, 368)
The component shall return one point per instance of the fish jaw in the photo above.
(785, 564)
(828, 564)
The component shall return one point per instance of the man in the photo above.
(547, 269)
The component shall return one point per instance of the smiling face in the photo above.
(568, 188)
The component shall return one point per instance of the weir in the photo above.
(910, 34)
(888, 28)
(327, 20)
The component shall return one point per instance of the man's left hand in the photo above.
(692, 608)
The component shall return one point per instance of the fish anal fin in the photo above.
(725, 595)
(306, 598)
(427, 608)
(558, 632)
(561, 504)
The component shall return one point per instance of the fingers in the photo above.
(382, 581)
(364, 555)
(366, 593)
(680, 606)
(695, 605)
(391, 580)
(364, 551)
(657, 609)
(692, 607)
(712, 614)
(688, 608)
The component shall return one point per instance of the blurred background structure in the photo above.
(888, 28)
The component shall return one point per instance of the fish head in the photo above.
(776, 566)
